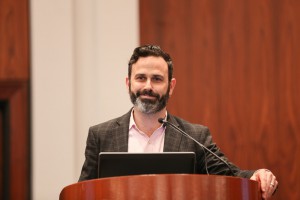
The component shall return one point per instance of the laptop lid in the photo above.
(112, 164)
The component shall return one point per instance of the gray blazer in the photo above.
(112, 136)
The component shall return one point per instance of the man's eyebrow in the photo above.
(158, 76)
(140, 74)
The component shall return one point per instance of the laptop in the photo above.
(111, 164)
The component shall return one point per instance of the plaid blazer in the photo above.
(112, 136)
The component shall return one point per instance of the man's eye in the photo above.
(157, 79)
(140, 78)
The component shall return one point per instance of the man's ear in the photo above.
(127, 83)
(172, 86)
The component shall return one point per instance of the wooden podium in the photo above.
(169, 186)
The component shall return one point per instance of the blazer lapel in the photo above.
(172, 137)
(120, 133)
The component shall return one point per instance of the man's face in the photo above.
(149, 86)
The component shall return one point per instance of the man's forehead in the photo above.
(149, 71)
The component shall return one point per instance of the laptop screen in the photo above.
(112, 164)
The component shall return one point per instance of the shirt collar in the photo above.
(132, 123)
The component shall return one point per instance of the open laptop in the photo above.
(112, 164)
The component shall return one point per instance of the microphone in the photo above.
(165, 123)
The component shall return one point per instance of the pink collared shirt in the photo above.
(139, 142)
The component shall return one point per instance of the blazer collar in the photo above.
(172, 137)
(121, 132)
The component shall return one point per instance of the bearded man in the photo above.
(150, 83)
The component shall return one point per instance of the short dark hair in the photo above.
(150, 50)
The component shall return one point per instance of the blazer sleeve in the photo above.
(216, 166)
(90, 166)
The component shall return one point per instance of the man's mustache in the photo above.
(147, 92)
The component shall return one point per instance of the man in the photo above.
(150, 84)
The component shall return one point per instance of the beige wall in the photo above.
(79, 54)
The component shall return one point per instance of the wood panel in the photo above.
(14, 39)
(14, 98)
(237, 67)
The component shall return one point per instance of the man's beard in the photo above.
(149, 106)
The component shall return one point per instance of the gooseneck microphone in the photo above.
(165, 123)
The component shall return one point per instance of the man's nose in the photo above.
(148, 84)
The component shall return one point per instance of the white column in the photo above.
(52, 75)
(79, 56)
